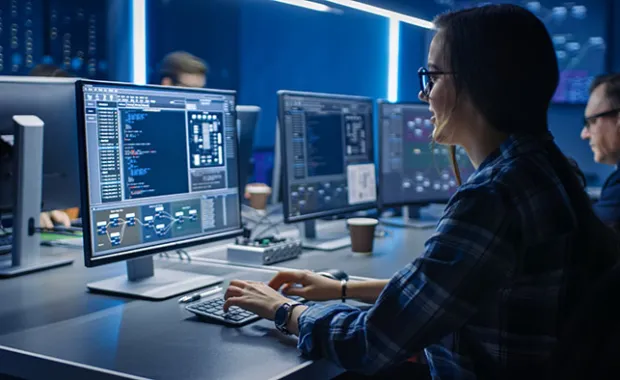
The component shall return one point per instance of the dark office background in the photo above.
(259, 46)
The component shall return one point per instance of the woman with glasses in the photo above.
(517, 243)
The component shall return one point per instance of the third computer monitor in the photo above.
(327, 150)
(413, 170)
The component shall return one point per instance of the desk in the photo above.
(400, 247)
(105, 337)
(51, 327)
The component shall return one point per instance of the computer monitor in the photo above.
(247, 119)
(160, 172)
(53, 101)
(327, 154)
(412, 170)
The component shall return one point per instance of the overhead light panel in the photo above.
(138, 41)
(384, 12)
(307, 4)
(393, 60)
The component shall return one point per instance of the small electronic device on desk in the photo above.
(264, 251)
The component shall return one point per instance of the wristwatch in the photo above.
(283, 315)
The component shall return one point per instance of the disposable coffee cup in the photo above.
(258, 196)
(362, 234)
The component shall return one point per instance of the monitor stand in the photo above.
(328, 242)
(142, 281)
(28, 160)
(412, 218)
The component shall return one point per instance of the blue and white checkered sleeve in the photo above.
(469, 256)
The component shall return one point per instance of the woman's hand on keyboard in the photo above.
(307, 284)
(256, 297)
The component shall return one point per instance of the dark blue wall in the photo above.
(286, 47)
(119, 40)
(614, 37)
(412, 57)
(258, 47)
(208, 29)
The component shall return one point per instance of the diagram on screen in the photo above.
(355, 135)
(320, 196)
(135, 225)
(577, 31)
(425, 166)
(206, 139)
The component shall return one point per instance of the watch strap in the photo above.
(281, 322)
(290, 314)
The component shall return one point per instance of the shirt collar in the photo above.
(516, 145)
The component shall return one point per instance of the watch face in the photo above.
(281, 314)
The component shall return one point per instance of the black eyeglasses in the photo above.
(427, 79)
(588, 121)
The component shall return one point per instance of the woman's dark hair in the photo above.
(503, 59)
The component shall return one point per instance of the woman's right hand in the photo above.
(306, 284)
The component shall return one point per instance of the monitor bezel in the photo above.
(283, 149)
(89, 259)
(382, 204)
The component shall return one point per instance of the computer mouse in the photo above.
(334, 274)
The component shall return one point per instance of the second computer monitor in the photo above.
(413, 170)
(327, 151)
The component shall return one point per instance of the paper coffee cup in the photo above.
(362, 234)
(258, 196)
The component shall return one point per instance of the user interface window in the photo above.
(329, 153)
(413, 169)
(161, 165)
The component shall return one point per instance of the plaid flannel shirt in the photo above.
(484, 300)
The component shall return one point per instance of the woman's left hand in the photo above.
(256, 297)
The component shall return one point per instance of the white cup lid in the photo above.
(362, 222)
(258, 189)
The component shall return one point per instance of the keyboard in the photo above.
(327, 244)
(212, 310)
(68, 242)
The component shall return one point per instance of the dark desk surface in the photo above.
(51, 325)
(57, 327)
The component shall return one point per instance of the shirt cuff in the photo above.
(311, 336)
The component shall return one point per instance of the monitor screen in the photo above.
(327, 150)
(413, 170)
(160, 168)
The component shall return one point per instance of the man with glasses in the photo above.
(602, 129)
(183, 69)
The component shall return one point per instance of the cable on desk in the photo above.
(56, 231)
(270, 226)
(181, 252)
